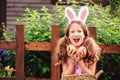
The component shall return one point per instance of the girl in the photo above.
(77, 51)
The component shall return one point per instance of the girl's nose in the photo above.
(76, 34)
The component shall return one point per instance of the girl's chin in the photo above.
(77, 44)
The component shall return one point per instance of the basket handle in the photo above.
(98, 74)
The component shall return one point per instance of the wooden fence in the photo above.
(20, 46)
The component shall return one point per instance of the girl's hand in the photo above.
(71, 51)
(81, 52)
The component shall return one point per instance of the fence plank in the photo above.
(112, 48)
(55, 70)
(46, 46)
(38, 46)
(19, 52)
(8, 45)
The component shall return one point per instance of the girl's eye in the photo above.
(79, 31)
(72, 31)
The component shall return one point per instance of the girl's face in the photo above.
(76, 34)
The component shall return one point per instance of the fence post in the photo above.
(19, 52)
(55, 70)
(93, 33)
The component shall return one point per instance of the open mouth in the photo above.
(76, 40)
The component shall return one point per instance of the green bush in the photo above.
(37, 25)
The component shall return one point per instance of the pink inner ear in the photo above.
(70, 15)
(83, 14)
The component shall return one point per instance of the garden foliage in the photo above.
(38, 28)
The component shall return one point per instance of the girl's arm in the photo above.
(92, 66)
(86, 69)
(67, 70)
(91, 69)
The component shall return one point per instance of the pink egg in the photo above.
(81, 51)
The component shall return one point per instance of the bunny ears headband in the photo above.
(82, 14)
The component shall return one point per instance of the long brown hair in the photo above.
(60, 52)
(93, 50)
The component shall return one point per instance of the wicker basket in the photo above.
(79, 77)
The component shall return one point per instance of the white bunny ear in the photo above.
(83, 13)
(70, 14)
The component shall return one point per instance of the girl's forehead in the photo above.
(75, 25)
